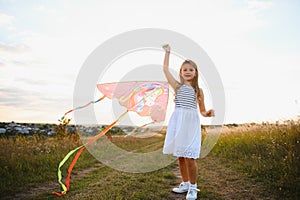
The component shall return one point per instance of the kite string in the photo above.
(135, 129)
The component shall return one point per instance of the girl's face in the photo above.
(188, 72)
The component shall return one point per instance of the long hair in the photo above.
(194, 84)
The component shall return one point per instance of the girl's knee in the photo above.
(190, 160)
(181, 159)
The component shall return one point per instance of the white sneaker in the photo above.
(192, 193)
(182, 188)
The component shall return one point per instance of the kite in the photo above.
(144, 98)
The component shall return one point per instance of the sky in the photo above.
(255, 46)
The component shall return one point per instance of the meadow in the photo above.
(265, 153)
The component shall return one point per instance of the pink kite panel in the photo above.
(144, 98)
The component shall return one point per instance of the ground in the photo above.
(217, 180)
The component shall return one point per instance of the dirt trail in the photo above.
(217, 180)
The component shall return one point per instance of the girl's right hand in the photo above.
(166, 47)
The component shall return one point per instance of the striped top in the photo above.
(185, 97)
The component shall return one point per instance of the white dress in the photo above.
(183, 138)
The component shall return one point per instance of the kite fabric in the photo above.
(144, 98)
(132, 96)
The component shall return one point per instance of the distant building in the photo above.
(2, 130)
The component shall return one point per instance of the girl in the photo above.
(183, 138)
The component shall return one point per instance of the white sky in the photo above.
(254, 45)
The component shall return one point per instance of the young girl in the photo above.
(183, 138)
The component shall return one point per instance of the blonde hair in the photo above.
(194, 84)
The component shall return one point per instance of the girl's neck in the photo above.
(189, 83)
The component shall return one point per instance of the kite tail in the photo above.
(59, 174)
(66, 187)
(80, 107)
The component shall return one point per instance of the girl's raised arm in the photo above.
(171, 80)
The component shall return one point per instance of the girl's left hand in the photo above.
(210, 113)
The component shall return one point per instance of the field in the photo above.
(251, 161)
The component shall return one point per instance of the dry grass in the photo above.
(267, 152)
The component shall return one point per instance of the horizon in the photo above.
(280, 121)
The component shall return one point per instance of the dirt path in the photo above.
(217, 180)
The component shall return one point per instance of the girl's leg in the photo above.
(183, 169)
(192, 169)
(185, 185)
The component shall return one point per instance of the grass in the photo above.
(27, 162)
(270, 153)
(106, 183)
(139, 144)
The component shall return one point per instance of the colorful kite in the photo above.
(144, 98)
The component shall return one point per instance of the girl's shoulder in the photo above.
(178, 86)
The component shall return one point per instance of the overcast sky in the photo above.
(255, 46)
